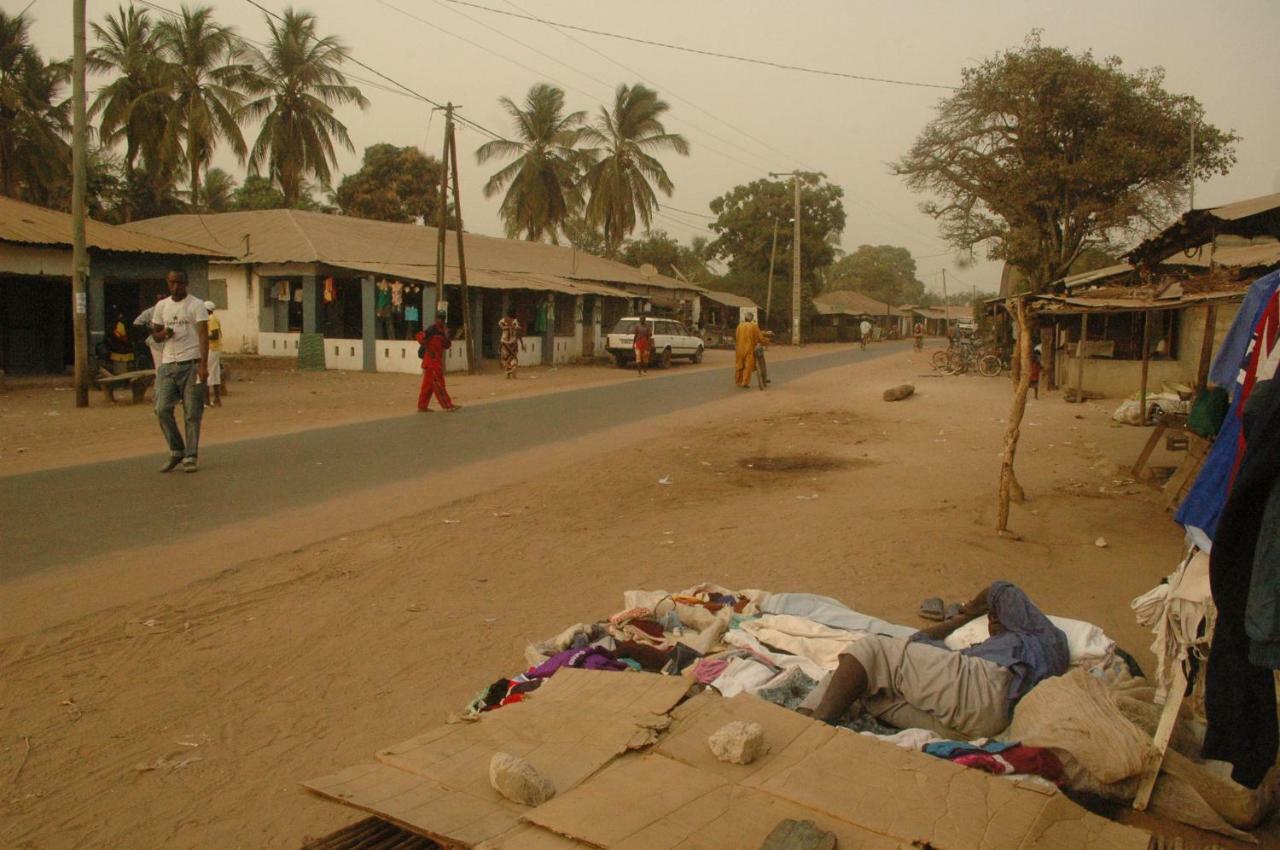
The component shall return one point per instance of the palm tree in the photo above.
(623, 164)
(219, 190)
(128, 48)
(299, 83)
(34, 121)
(541, 182)
(202, 88)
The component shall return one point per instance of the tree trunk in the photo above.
(1008, 483)
(195, 184)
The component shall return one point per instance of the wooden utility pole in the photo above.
(79, 253)
(768, 295)
(473, 347)
(1084, 332)
(442, 218)
(1206, 348)
(795, 268)
(946, 305)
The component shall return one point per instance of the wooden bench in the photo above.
(137, 382)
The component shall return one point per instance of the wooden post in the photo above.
(1146, 365)
(79, 170)
(474, 354)
(1164, 731)
(1206, 347)
(1084, 332)
(1007, 479)
(1048, 338)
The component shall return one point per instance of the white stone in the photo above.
(519, 781)
(1101, 543)
(739, 742)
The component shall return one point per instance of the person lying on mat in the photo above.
(918, 683)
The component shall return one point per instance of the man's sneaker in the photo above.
(170, 463)
(189, 464)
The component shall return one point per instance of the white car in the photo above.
(670, 340)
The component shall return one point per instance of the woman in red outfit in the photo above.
(433, 342)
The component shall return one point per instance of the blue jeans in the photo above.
(177, 382)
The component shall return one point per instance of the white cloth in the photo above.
(1085, 641)
(157, 348)
(215, 368)
(865, 328)
(742, 674)
(908, 739)
(1181, 614)
(742, 640)
(181, 317)
(803, 637)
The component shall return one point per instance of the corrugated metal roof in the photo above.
(485, 279)
(1106, 273)
(1262, 255)
(1110, 304)
(846, 302)
(730, 299)
(1250, 217)
(294, 236)
(33, 225)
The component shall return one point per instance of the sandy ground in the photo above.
(40, 427)
(236, 687)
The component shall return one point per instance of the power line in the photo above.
(520, 64)
(688, 212)
(701, 52)
(459, 118)
(654, 83)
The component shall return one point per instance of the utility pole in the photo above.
(1192, 171)
(442, 220)
(768, 296)
(474, 353)
(79, 254)
(795, 268)
(795, 257)
(946, 305)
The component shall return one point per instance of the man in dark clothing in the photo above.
(434, 341)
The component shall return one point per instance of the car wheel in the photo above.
(666, 358)
(697, 355)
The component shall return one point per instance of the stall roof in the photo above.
(1141, 301)
(846, 302)
(730, 299)
(1259, 255)
(32, 225)
(1250, 217)
(295, 236)
(485, 279)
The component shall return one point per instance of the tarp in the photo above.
(1203, 505)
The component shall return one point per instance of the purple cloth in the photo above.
(708, 670)
(587, 658)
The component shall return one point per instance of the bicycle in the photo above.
(762, 370)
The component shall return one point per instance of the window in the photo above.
(564, 314)
(1123, 330)
(218, 293)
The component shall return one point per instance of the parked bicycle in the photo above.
(967, 355)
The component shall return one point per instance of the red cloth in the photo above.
(435, 340)
(1033, 760)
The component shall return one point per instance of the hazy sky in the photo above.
(744, 120)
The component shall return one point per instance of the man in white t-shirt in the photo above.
(864, 333)
(181, 322)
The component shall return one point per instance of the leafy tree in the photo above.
(34, 154)
(1042, 154)
(666, 254)
(541, 182)
(623, 170)
(202, 88)
(745, 218)
(583, 235)
(394, 184)
(127, 48)
(299, 83)
(754, 284)
(259, 193)
(219, 190)
(884, 272)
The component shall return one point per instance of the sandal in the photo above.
(931, 608)
(953, 611)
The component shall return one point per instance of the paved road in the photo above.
(105, 507)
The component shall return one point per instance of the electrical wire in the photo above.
(458, 118)
(667, 89)
(702, 52)
(551, 77)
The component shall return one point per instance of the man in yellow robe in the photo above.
(746, 338)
